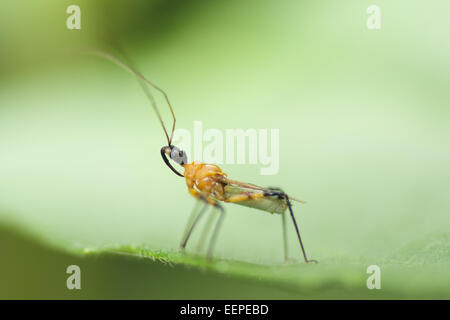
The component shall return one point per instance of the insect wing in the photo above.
(271, 204)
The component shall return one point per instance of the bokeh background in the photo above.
(364, 124)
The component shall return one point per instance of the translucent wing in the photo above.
(272, 204)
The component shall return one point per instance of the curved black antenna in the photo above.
(163, 155)
(143, 81)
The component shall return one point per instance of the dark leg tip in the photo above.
(312, 261)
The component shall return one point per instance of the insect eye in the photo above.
(180, 153)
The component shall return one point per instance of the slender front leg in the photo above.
(216, 231)
(206, 228)
(189, 230)
(208, 202)
(189, 223)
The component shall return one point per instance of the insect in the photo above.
(209, 184)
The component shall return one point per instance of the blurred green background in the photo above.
(364, 125)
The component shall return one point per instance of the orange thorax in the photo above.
(205, 178)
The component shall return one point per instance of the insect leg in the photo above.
(285, 243)
(216, 231)
(206, 228)
(190, 221)
(194, 222)
(286, 197)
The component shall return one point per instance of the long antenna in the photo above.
(143, 82)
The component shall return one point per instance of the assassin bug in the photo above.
(209, 184)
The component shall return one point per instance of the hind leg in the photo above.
(284, 196)
(285, 243)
